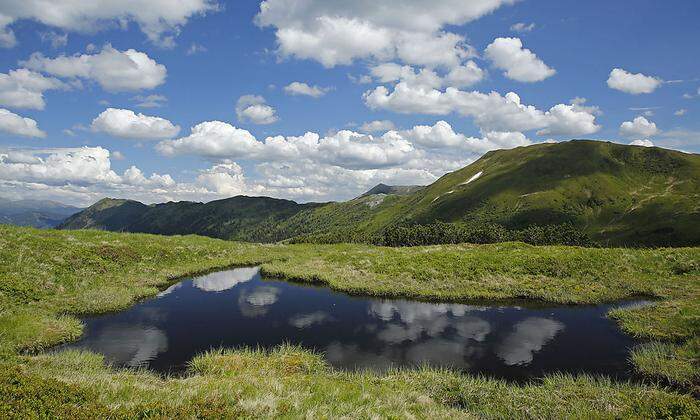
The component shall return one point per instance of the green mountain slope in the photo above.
(617, 194)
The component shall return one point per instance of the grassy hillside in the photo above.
(616, 194)
(46, 277)
(619, 194)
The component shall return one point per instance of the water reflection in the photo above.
(129, 345)
(307, 320)
(224, 280)
(528, 337)
(255, 303)
(238, 308)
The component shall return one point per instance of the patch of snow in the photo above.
(474, 178)
(376, 200)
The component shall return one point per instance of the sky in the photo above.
(319, 100)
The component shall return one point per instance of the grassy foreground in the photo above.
(47, 277)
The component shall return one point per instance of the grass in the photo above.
(48, 277)
(678, 364)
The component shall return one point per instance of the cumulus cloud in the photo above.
(465, 75)
(491, 112)
(377, 126)
(518, 63)
(644, 143)
(300, 88)
(160, 20)
(442, 135)
(126, 124)
(335, 33)
(114, 70)
(84, 175)
(680, 112)
(23, 88)
(254, 109)
(85, 165)
(634, 84)
(216, 139)
(639, 127)
(17, 125)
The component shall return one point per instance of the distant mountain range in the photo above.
(36, 213)
(617, 194)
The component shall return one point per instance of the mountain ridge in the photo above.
(617, 194)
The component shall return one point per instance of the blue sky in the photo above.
(195, 99)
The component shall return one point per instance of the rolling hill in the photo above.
(617, 194)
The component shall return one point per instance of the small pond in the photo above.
(237, 307)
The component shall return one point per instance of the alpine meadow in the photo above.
(364, 209)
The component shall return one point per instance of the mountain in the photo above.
(616, 194)
(392, 189)
(238, 218)
(35, 213)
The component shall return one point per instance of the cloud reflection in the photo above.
(224, 280)
(306, 320)
(256, 303)
(129, 345)
(528, 337)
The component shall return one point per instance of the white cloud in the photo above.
(7, 36)
(117, 155)
(680, 112)
(441, 135)
(639, 127)
(149, 101)
(465, 75)
(213, 139)
(644, 143)
(522, 27)
(634, 84)
(84, 175)
(569, 120)
(160, 20)
(254, 109)
(114, 70)
(335, 33)
(195, 49)
(377, 126)
(17, 125)
(300, 88)
(517, 62)
(55, 39)
(126, 124)
(85, 165)
(216, 139)
(491, 112)
(23, 88)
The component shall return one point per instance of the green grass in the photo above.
(676, 364)
(48, 277)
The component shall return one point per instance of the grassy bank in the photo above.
(47, 277)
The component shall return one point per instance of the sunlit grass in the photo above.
(48, 277)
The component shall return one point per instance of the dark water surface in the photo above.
(238, 308)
